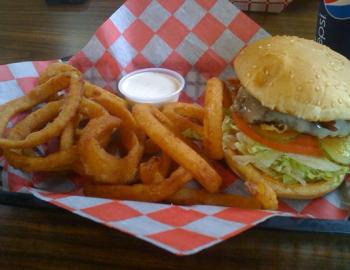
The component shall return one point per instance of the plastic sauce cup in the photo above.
(152, 86)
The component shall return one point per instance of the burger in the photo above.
(289, 124)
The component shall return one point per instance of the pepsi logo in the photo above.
(338, 9)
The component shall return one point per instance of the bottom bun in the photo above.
(249, 173)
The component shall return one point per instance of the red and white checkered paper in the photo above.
(273, 6)
(198, 39)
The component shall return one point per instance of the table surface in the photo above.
(41, 238)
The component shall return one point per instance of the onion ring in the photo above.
(165, 164)
(116, 109)
(35, 120)
(34, 97)
(148, 169)
(213, 118)
(115, 106)
(55, 97)
(156, 169)
(88, 108)
(94, 91)
(139, 192)
(179, 151)
(91, 109)
(69, 108)
(68, 134)
(91, 90)
(54, 69)
(102, 166)
(58, 161)
(151, 147)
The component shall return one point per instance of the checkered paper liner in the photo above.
(199, 39)
(273, 6)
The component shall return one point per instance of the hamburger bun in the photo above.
(296, 76)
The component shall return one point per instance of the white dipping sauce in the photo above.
(150, 85)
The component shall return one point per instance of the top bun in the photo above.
(296, 76)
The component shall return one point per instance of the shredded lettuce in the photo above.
(289, 168)
(228, 126)
(191, 134)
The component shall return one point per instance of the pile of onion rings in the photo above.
(128, 152)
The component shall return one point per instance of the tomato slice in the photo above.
(302, 144)
(271, 135)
